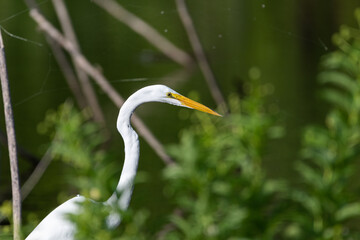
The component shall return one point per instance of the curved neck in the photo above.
(132, 150)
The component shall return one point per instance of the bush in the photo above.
(219, 187)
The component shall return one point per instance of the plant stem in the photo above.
(10, 130)
(200, 55)
(100, 79)
(85, 83)
(146, 31)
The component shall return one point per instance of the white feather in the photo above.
(56, 225)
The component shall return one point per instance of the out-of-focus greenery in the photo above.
(219, 188)
(219, 184)
(6, 213)
(330, 201)
(78, 142)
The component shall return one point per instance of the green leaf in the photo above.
(338, 98)
(339, 79)
(348, 211)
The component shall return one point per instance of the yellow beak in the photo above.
(194, 105)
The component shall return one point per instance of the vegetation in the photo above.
(219, 183)
(218, 187)
(329, 202)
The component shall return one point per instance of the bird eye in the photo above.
(169, 94)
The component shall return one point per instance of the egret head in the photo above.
(161, 93)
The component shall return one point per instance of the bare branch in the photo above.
(87, 88)
(22, 152)
(41, 166)
(52, 32)
(200, 55)
(169, 227)
(177, 76)
(165, 230)
(10, 130)
(67, 71)
(35, 176)
(145, 30)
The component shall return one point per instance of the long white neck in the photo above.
(132, 150)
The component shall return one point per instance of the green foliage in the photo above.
(132, 223)
(222, 191)
(219, 188)
(219, 184)
(329, 203)
(78, 142)
(6, 213)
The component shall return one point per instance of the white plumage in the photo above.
(56, 225)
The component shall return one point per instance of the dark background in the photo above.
(283, 39)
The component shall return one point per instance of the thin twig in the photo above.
(87, 88)
(36, 175)
(22, 152)
(176, 77)
(200, 55)
(145, 30)
(93, 72)
(67, 71)
(165, 230)
(41, 166)
(170, 226)
(10, 130)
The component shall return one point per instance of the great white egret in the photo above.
(56, 225)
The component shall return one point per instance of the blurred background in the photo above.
(282, 41)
